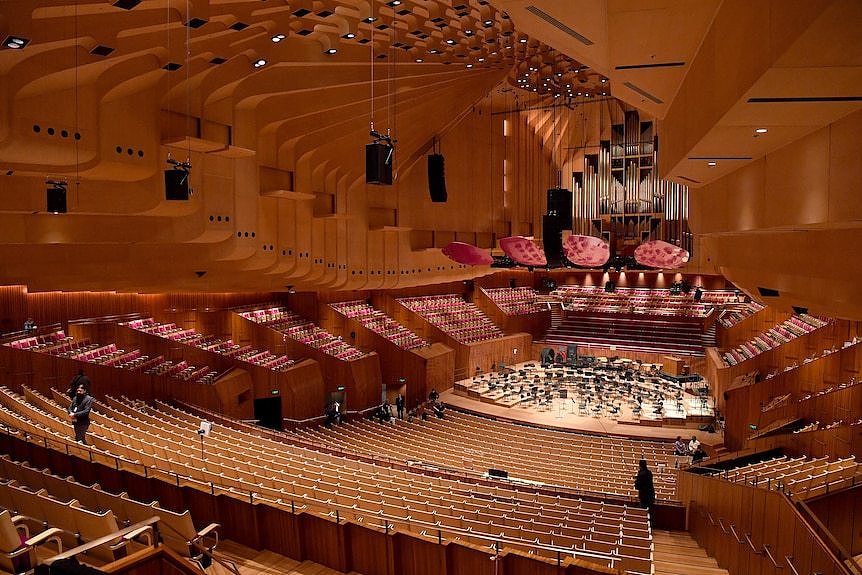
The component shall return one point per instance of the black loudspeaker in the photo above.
(571, 352)
(610, 286)
(57, 200)
(552, 240)
(378, 164)
(176, 185)
(437, 178)
(560, 204)
(498, 473)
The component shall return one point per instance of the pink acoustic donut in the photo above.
(586, 251)
(467, 254)
(524, 251)
(659, 254)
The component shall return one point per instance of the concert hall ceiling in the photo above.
(272, 102)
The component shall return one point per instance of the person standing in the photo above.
(644, 485)
(79, 412)
(399, 405)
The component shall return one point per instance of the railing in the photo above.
(318, 508)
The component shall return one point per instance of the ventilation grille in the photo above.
(656, 65)
(643, 93)
(539, 13)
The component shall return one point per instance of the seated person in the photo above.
(698, 454)
(438, 409)
(693, 445)
(679, 447)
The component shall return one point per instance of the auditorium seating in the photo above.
(244, 465)
(110, 355)
(211, 343)
(79, 513)
(801, 477)
(296, 327)
(462, 321)
(515, 301)
(733, 315)
(379, 323)
(791, 328)
(466, 442)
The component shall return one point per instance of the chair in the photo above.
(17, 547)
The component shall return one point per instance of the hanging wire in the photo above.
(77, 133)
(188, 89)
(371, 55)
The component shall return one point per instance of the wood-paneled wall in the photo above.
(743, 404)
(723, 514)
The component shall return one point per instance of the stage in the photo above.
(632, 400)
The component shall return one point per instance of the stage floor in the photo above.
(563, 415)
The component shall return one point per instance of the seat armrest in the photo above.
(49, 534)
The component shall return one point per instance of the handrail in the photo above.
(735, 536)
(152, 523)
(750, 544)
(789, 558)
(721, 526)
(326, 505)
(771, 558)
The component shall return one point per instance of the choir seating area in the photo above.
(110, 355)
(795, 326)
(515, 301)
(296, 327)
(211, 343)
(380, 323)
(588, 463)
(733, 315)
(679, 335)
(247, 465)
(802, 477)
(461, 320)
(654, 302)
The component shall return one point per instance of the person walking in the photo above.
(399, 405)
(79, 413)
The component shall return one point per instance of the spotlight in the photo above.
(487, 22)
(450, 41)
(278, 38)
(260, 63)
(349, 36)
(15, 42)
(56, 196)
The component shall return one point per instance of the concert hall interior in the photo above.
(414, 286)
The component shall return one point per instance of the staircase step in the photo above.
(677, 553)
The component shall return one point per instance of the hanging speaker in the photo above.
(176, 185)
(378, 164)
(437, 178)
(56, 200)
(560, 205)
(552, 240)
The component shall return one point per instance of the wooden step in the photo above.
(677, 553)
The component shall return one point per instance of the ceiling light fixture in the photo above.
(260, 63)
(15, 42)
(278, 38)
(330, 51)
(761, 130)
(711, 164)
(349, 36)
